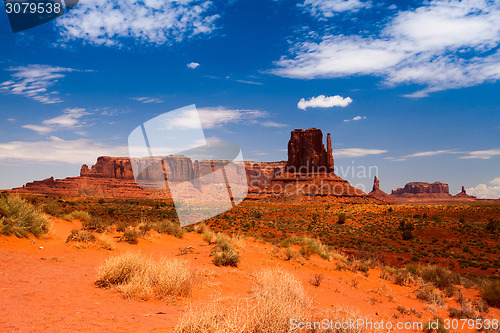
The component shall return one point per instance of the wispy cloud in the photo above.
(482, 154)
(323, 101)
(432, 153)
(250, 82)
(212, 117)
(270, 123)
(355, 119)
(147, 100)
(157, 22)
(193, 65)
(328, 8)
(357, 152)
(55, 149)
(70, 119)
(34, 81)
(440, 45)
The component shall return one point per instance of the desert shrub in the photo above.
(19, 218)
(137, 277)
(316, 280)
(290, 254)
(130, 236)
(407, 235)
(95, 223)
(439, 276)
(52, 208)
(78, 215)
(209, 236)
(312, 245)
(465, 311)
(342, 218)
(223, 253)
(106, 242)
(170, 228)
(276, 298)
(80, 236)
(481, 306)
(429, 294)
(492, 226)
(200, 228)
(491, 292)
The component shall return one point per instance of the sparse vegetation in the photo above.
(169, 227)
(137, 277)
(19, 218)
(312, 245)
(130, 236)
(491, 292)
(224, 254)
(78, 215)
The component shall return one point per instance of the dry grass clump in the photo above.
(130, 236)
(224, 254)
(209, 236)
(429, 294)
(19, 218)
(277, 298)
(440, 277)
(78, 215)
(140, 278)
(80, 236)
(465, 311)
(313, 245)
(169, 227)
(106, 242)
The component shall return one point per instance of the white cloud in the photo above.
(482, 154)
(496, 181)
(443, 44)
(212, 117)
(193, 65)
(70, 119)
(323, 101)
(355, 119)
(147, 100)
(329, 8)
(432, 153)
(270, 123)
(55, 149)
(34, 81)
(357, 152)
(484, 191)
(149, 22)
(250, 82)
(39, 129)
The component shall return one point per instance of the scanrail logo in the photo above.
(205, 177)
(26, 14)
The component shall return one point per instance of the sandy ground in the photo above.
(47, 285)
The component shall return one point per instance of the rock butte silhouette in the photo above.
(307, 174)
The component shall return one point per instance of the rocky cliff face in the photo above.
(307, 153)
(423, 188)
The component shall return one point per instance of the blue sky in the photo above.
(409, 87)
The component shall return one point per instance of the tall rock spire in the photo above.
(329, 151)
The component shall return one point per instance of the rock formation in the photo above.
(307, 153)
(463, 195)
(418, 188)
(310, 172)
(114, 177)
(378, 193)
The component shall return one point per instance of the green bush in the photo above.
(19, 218)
